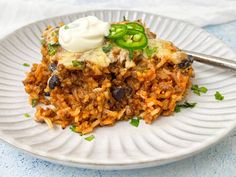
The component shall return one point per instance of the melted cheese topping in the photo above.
(167, 50)
(96, 56)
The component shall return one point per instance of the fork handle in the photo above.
(211, 60)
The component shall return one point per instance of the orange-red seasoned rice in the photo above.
(84, 97)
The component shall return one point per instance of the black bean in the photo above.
(47, 94)
(186, 63)
(53, 81)
(52, 67)
(113, 76)
(119, 93)
(183, 64)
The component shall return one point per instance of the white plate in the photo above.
(122, 146)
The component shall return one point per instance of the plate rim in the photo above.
(126, 165)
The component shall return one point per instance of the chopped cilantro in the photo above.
(177, 108)
(26, 115)
(188, 105)
(218, 96)
(66, 27)
(79, 64)
(135, 121)
(34, 102)
(107, 49)
(131, 54)
(150, 51)
(73, 128)
(185, 105)
(26, 65)
(90, 138)
(203, 89)
(52, 49)
(198, 90)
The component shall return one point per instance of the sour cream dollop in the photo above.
(83, 34)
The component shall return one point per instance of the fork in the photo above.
(211, 60)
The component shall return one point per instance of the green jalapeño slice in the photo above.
(135, 26)
(117, 31)
(132, 40)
